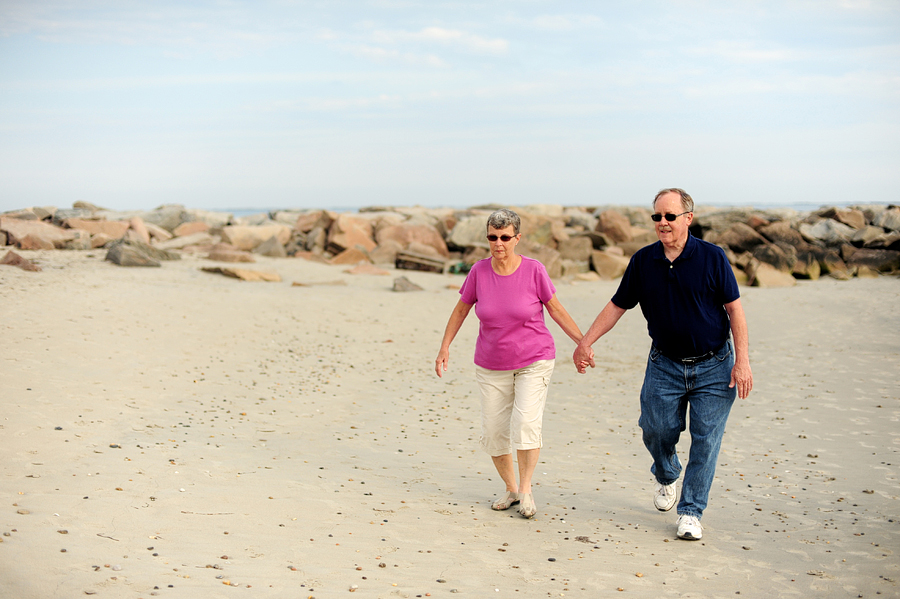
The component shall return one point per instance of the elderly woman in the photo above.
(514, 353)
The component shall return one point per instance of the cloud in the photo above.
(564, 22)
(447, 37)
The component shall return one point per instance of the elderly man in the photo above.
(690, 299)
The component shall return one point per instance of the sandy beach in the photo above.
(170, 432)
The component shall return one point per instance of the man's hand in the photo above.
(583, 357)
(742, 377)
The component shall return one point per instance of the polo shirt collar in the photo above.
(659, 252)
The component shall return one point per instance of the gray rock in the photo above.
(827, 231)
(890, 219)
(880, 260)
(272, 248)
(168, 216)
(576, 248)
(806, 266)
(131, 253)
(740, 238)
(469, 232)
(776, 256)
(404, 284)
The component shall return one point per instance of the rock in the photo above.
(223, 252)
(740, 276)
(80, 241)
(13, 259)
(2, 237)
(406, 234)
(776, 256)
(352, 255)
(386, 252)
(349, 231)
(630, 248)
(244, 274)
(404, 284)
(249, 237)
(740, 238)
(111, 228)
(756, 222)
(315, 219)
(579, 218)
(864, 272)
(854, 219)
(868, 236)
(608, 265)
(806, 266)
(86, 206)
(614, 225)
(214, 220)
(189, 228)
(832, 264)
(576, 248)
(101, 239)
(761, 274)
(202, 239)
(571, 268)
(878, 260)
(589, 276)
(271, 248)
(130, 253)
(61, 216)
(469, 232)
(889, 219)
(34, 234)
(157, 232)
(783, 232)
(366, 269)
(827, 231)
(140, 229)
(549, 257)
(168, 216)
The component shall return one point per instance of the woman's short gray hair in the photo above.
(500, 219)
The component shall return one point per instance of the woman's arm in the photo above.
(559, 314)
(457, 317)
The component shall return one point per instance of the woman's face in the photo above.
(501, 250)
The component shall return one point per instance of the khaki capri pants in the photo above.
(512, 406)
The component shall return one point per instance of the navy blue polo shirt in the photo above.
(683, 301)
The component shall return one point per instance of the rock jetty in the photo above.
(767, 247)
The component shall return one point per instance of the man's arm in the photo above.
(741, 375)
(605, 321)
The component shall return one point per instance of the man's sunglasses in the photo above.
(503, 238)
(669, 217)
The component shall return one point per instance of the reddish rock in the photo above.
(614, 225)
(157, 232)
(350, 231)
(244, 274)
(33, 234)
(223, 252)
(113, 228)
(190, 228)
(249, 237)
(350, 256)
(407, 233)
(608, 265)
(852, 218)
(311, 220)
(13, 259)
(366, 269)
(140, 229)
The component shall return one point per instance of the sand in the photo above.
(170, 432)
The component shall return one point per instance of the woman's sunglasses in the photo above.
(669, 217)
(503, 238)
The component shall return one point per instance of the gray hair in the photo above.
(500, 219)
(687, 202)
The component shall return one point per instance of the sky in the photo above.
(334, 104)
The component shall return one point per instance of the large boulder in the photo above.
(608, 265)
(880, 260)
(578, 248)
(549, 257)
(614, 225)
(889, 219)
(308, 221)
(249, 237)
(470, 231)
(168, 216)
(111, 228)
(806, 266)
(271, 248)
(34, 234)
(781, 256)
(782, 231)
(408, 233)
(131, 253)
(740, 238)
(760, 274)
(201, 239)
(349, 231)
(827, 231)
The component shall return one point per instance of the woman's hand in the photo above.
(443, 359)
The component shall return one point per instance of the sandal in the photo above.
(506, 501)
(526, 506)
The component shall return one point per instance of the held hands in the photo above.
(583, 357)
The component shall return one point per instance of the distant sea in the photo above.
(798, 206)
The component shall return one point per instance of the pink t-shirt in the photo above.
(510, 309)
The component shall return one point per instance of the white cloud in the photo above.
(447, 37)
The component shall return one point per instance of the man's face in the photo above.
(673, 233)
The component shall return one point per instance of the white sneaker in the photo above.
(689, 528)
(666, 496)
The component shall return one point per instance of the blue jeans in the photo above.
(669, 388)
